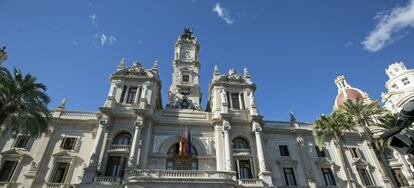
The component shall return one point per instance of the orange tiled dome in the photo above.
(352, 94)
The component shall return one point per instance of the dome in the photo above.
(351, 94)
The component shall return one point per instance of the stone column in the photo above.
(257, 129)
(304, 157)
(137, 135)
(99, 135)
(218, 138)
(227, 147)
(92, 169)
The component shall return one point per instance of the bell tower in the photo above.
(184, 92)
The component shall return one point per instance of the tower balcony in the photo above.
(119, 148)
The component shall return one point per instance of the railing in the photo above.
(251, 182)
(182, 174)
(57, 185)
(9, 184)
(78, 114)
(241, 151)
(107, 179)
(122, 148)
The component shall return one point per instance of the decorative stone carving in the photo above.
(287, 161)
(158, 140)
(252, 99)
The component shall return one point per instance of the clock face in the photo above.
(187, 55)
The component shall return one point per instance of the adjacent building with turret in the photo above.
(134, 140)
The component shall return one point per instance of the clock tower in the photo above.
(184, 92)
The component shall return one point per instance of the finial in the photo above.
(188, 34)
(216, 70)
(62, 104)
(121, 64)
(232, 72)
(155, 65)
(246, 73)
(292, 117)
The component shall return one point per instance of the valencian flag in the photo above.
(185, 143)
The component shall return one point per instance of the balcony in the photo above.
(107, 180)
(9, 184)
(57, 185)
(182, 175)
(251, 183)
(119, 148)
(241, 151)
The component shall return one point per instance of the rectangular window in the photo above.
(328, 177)
(68, 143)
(354, 152)
(59, 174)
(405, 81)
(186, 78)
(115, 167)
(289, 176)
(235, 101)
(365, 177)
(242, 101)
(7, 170)
(284, 151)
(131, 95)
(228, 99)
(244, 169)
(399, 176)
(21, 141)
(123, 94)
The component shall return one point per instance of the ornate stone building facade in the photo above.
(132, 141)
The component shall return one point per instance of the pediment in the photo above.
(323, 162)
(287, 161)
(360, 163)
(15, 153)
(64, 154)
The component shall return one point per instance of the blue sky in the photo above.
(293, 49)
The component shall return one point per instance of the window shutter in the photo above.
(63, 142)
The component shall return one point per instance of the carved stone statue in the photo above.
(188, 34)
(223, 96)
(252, 100)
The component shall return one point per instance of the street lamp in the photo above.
(3, 55)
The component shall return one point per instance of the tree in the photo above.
(23, 103)
(334, 126)
(363, 114)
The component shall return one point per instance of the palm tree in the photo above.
(334, 126)
(23, 103)
(363, 114)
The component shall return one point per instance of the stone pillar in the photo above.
(304, 156)
(227, 147)
(91, 170)
(96, 147)
(218, 139)
(137, 135)
(257, 129)
(264, 174)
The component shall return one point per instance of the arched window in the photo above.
(242, 158)
(177, 162)
(240, 143)
(122, 139)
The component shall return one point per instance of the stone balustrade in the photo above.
(57, 185)
(241, 151)
(119, 148)
(251, 182)
(107, 180)
(182, 174)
